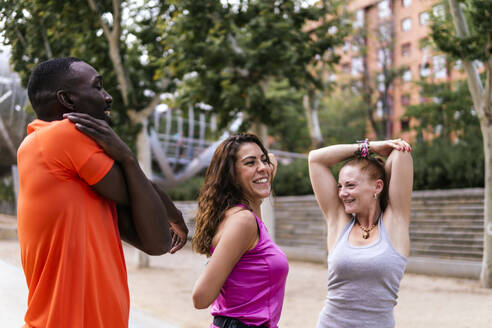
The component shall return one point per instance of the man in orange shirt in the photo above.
(81, 191)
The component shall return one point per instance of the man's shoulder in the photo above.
(61, 128)
(64, 134)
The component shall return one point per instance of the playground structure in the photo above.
(181, 156)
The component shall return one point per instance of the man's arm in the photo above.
(144, 222)
(179, 230)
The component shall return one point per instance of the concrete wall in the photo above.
(446, 230)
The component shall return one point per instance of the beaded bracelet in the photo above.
(364, 147)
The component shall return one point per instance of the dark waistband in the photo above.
(226, 322)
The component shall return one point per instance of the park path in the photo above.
(161, 295)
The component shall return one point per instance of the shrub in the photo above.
(292, 179)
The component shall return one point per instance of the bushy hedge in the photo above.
(292, 179)
(442, 164)
(188, 190)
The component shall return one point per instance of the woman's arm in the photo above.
(240, 233)
(399, 172)
(323, 182)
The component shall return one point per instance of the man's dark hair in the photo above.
(47, 78)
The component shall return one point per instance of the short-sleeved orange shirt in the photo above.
(70, 244)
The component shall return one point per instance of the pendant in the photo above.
(365, 235)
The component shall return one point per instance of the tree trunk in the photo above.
(144, 159)
(483, 107)
(486, 274)
(310, 102)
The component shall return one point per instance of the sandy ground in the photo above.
(164, 291)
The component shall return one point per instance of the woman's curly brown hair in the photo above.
(220, 190)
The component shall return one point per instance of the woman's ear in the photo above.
(379, 186)
(64, 99)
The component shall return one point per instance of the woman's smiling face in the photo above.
(253, 171)
(355, 189)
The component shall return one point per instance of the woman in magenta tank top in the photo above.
(244, 279)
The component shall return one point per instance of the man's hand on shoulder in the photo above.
(103, 135)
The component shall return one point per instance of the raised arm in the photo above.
(399, 172)
(324, 184)
(239, 234)
(142, 216)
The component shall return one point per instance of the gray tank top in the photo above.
(363, 283)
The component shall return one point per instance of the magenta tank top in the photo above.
(254, 290)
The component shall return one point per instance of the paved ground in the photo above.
(161, 295)
(13, 299)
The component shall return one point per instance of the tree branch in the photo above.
(46, 42)
(113, 38)
(474, 82)
(144, 113)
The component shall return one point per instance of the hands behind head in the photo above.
(103, 134)
(385, 147)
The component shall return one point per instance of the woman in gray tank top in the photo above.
(367, 214)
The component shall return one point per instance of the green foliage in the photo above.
(292, 179)
(448, 107)
(187, 190)
(474, 47)
(343, 118)
(43, 29)
(442, 164)
(7, 189)
(289, 126)
(236, 50)
(454, 158)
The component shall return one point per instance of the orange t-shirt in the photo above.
(70, 244)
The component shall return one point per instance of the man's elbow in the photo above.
(159, 247)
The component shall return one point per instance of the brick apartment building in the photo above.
(395, 36)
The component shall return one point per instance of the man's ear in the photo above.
(64, 99)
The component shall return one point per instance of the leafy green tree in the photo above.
(232, 52)
(118, 38)
(343, 118)
(453, 157)
(468, 37)
(375, 84)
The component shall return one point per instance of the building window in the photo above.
(379, 108)
(384, 32)
(384, 57)
(355, 47)
(380, 81)
(406, 49)
(359, 19)
(458, 65)
(405, 100)
(424, 18)
(439, 66)
(384, 9)
(406, 24)
(425, 69)
(405, 124)
(407, 75)
(357, 65)
(438, 11)
(406, 3)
